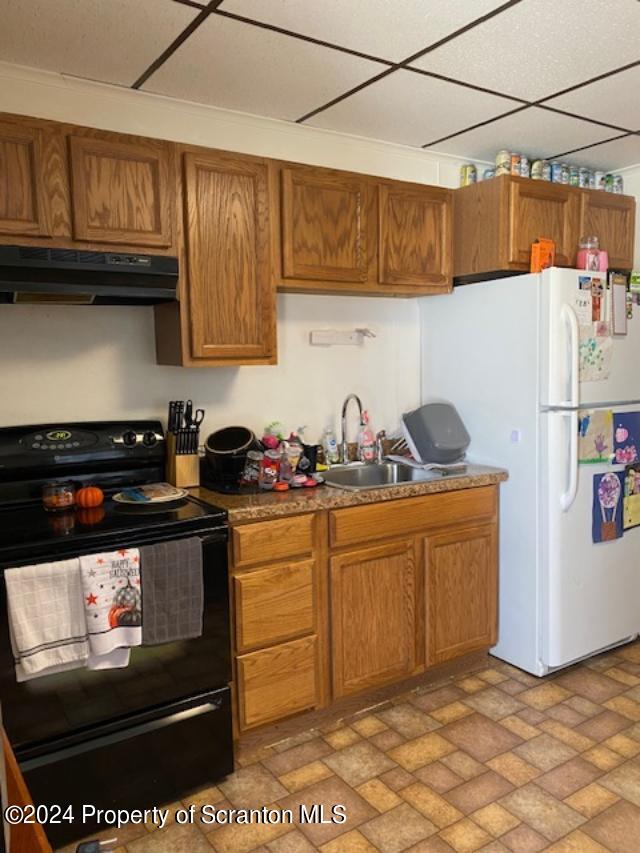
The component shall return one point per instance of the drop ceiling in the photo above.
(463, 77)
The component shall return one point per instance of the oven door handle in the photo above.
(122, 735)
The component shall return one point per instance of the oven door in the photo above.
(60, 710)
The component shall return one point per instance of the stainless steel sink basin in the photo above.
(376, 476)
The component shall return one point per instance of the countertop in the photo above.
(255, 507)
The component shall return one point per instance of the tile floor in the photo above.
(492, 761)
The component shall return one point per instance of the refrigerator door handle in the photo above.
(568, 497)
(571, 319)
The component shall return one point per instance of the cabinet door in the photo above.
(373, 616)
(121, 191)
(461, 591)
(540, 209)
(415, 235)
(324, 233)
(612, 219)
(22, 207)
(231, 294)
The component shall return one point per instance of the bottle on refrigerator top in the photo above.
(589, 254)
(330, 445)
(366, 440)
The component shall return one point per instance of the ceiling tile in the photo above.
(535, 49)
(389, 30)
(411, 109)
(245, 68)
(113, 41)
(532, 131)
(614, 100)
(616, 154)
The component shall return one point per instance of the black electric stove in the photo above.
(160, 727)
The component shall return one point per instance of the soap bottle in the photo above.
(330, 445)
(366, 440)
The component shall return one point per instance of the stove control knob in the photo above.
(129, 438)
(149, 438)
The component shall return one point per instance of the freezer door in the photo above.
(560, 330)
(590, 593)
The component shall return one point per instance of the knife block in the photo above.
(183, 469)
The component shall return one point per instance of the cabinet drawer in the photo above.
(274, 604)
(268, 541)
(410, 515)
(277, 682)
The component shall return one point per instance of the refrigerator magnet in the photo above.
(619, 303)
(606, 524)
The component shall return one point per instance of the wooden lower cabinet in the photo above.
(373, 616)
(277, 682)
(461, 591)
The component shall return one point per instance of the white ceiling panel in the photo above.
(614, 99)
(532, 131)
(389, 29)
(113, 41)
(539, 47)
(609, 156)
(233, 65)
(411, 109)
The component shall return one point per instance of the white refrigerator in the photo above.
(507, 353)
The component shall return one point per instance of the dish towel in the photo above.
(172, 591)
(46, 618)
(112, 606)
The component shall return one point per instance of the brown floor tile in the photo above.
(465, 836)
(387, 740)
(304, 776)
(545, 752)
(591, 800)
(174, 839)
(369, 726)
(252, 787)
(569, 777)
(471, 684)
(625, 706)
(397, 778)
(604, 725)
(624, 781)
(531, 716)
(514, 768)
(437, 698)
(634, 692)
(583, 706)
(567, 735)
(350, 842)
(377, 794)
(494, 846)
(629, 652)
(342, 737)
(296, 740)
(434, 844)
(523, 839)
(622, 676)
(479, 792)
(512, 687)
(542, 812)
(450, 713)
(292, 842)
(566, 715)
(360, 762)
(623, 744)
(464, 765)
(592, 685)
(577, 842)
(495, 819)
(408, 721)
(603, 757)
(438, 776)
(617, 828)
(520, 728)
(290, 760)
(422, 750)
(492, 676)
(480, 737)
(328, 793)
(398, 829)
(494, 703)
(544, 695)
(431, 805)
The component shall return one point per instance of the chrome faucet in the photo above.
(344, 447)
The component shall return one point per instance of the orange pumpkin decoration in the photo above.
(90, 515)
(89, 496)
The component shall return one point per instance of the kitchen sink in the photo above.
(376, 476)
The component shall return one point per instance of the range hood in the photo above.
(74, 277)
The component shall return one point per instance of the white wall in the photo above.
(632, 187)
(63, 363)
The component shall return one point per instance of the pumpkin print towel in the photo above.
(112, 605)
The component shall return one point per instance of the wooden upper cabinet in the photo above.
(461, 591)
(415, 235)
(611, 218)
(121, 191)
(324, 225)
(373, 616)
(541, 209)
(23, 210)
(230, 291)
